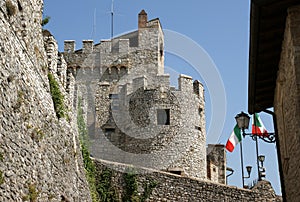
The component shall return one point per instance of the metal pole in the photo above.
(112, 19)
(256, 142)
(112, 25)
(242, 162)
(257, 161)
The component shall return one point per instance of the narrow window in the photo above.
(176, 172)
(198, 128)
(163, 116)
(200, 110)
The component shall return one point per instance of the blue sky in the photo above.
(221, 28)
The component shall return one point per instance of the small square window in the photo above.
(109, 131)
(163, 116)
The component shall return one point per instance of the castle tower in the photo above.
(133, 114)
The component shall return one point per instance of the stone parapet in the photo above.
(172, 187)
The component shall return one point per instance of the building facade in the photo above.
(274, 81)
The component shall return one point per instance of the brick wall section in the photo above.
(40, 155)
(172, 187)
(287, 104)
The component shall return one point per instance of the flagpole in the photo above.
(242, 161)
(256, 142)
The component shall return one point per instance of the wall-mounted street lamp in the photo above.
(231, 173)
(262, 169)
(242, 120)
(248, 168)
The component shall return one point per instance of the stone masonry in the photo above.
(170, 187)
(40, 157)
(287, 105)
(132, 113)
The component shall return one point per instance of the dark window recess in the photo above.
(113, 96)
(198, 128)
(109, 131)
(176, 172)
(200, 110)
(161, 53)
(163, 116)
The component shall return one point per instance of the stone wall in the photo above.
(123, 84)
(216, 163)
(40, 157)
(287, 105)
(171, 187)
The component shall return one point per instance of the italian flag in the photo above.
(258, 127)
(234, 138)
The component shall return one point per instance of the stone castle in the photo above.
(134, 117)
(133, 114)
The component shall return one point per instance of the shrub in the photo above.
(89, 165)
(57, 97)
(46, 20)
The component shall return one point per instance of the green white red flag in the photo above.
(258, 127)
(234, 138)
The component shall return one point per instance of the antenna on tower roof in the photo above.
(112, 19)
(94, 25)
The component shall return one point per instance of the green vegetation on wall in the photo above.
(1, 177)
(104, 186)
(101, 184)
(57, 97)
(89, 165)
(45, 20)
(33, 193)
(131, 186)
(148, 188)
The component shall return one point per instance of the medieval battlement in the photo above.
(41, 153)
(127, 76)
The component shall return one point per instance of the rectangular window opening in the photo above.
(163, 116)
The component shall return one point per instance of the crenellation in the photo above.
(134, 71)
(123, 45)
(139, 82)
(69, 46)
(87, 46)
(132, 113)
(185, 83)
(163, 80)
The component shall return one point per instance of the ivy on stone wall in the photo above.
(104, 186)
(57, 97)
(1, 177)
(148, 188)
(131, 187)
(89, 165)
